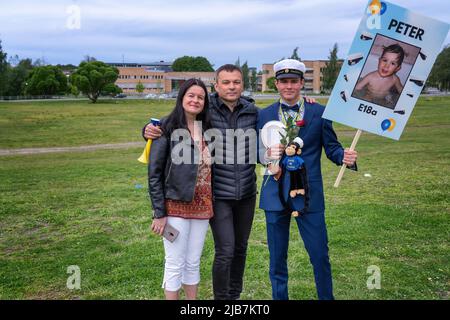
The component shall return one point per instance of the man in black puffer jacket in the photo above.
(234, 179)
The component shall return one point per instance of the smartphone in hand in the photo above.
(170, 233)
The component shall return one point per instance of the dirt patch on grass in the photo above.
(51, 294)
(444, 295)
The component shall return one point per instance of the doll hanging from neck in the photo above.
(295, 191)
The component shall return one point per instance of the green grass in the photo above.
(91, 209)
(75, 123)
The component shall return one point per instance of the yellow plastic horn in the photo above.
(146, 153)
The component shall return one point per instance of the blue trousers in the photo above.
(313, 231)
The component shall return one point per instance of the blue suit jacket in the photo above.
(316, 133)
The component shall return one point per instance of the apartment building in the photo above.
(313, 75)
(157, 77)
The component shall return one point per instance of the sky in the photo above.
(257, 31)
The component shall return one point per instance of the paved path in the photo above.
(26, 151)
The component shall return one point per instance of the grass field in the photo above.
(91, 209)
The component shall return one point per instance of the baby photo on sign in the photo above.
(385, 71)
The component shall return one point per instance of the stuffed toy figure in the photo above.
(294, 183)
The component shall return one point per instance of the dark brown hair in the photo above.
(177, 118)
(395, 48)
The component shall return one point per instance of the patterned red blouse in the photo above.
(201, 206)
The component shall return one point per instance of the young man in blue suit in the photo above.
(316, 133)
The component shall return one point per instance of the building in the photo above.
(155, 66)
(157, 77)
(173, 79)
(313, 75)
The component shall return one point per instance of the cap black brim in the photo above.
(288, 76)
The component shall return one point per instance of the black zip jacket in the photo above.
(169, 180)
(231, 181)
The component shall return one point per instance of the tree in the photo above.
(14, 60)
(440, 74)
(40, 62)
(111, 90)
(46, 80)
(245, 76)
(331, 70)
(271, 83)
(17, 77)
(67, 67)
(238, 62)
(3, 70)
(88, 58)
(73, 90)
(254, 81)
(186, 63)
(92, 77)
(295, 55)
(140, 87)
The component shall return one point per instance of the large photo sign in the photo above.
(388, 63)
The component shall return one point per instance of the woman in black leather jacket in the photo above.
(179, 176)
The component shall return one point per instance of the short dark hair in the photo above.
(228, 68)
(395, 48)
(177, 119)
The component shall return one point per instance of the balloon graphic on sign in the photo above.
(377, 7)
(383, 8)
(392, 126)
(385, 124)
(388, 124)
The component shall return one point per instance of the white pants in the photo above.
(182, 264)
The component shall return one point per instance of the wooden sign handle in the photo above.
(344, 166)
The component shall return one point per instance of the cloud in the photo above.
(255, 30)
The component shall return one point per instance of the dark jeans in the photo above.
(313, 231)
(230, 227)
